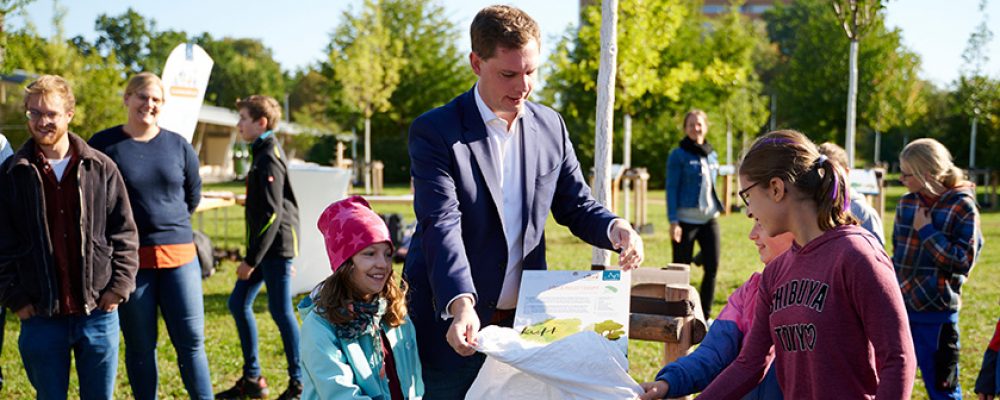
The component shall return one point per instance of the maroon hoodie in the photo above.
(833, 312)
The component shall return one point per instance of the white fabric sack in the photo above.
(584, 365)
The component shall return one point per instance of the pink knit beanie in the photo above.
(348, 226)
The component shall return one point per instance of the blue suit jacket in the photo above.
(459, 244)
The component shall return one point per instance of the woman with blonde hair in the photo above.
(161, 174)
(936, 239)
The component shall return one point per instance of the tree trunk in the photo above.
(972, 144)
(605, 114)
(878, 146)
(729, 141)
(774, 111)
(852, 103)
(626, 164)
(367, 168)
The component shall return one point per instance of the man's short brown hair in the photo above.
(259, 106)
(505, 26)
(51, 85)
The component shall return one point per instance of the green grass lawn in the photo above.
(739, 260)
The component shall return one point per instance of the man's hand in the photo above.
(675, 232)
(462, 332)
(626, 239)
(243, 271)
(654, 390)
(25, 312)
(109, 301)
(921, 218)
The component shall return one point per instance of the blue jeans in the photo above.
(46, 344)
(937, 348)
(276, 274)
(176, 292)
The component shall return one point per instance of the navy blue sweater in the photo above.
(161, 176)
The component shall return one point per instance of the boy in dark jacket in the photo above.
(68, 249)
(272, 220)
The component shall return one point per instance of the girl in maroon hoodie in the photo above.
(829, 309)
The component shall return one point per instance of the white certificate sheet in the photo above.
(554, 304)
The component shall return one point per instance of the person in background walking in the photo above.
(272, 219)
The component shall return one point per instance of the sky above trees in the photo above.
(936, 30)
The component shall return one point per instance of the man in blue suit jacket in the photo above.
(487, 168)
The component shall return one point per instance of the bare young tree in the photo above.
(857, 17)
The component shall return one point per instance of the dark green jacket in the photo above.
(110, 241)
(272, 214)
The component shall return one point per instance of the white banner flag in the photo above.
(185, 78)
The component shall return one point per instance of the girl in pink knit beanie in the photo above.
(357, 340)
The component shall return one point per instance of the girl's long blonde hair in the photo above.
(929, 158)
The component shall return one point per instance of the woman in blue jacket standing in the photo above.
(161, 174)
(692, 204)
(357, 341)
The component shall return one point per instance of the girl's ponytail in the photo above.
(832, 197)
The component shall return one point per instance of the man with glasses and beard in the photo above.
(68, 249)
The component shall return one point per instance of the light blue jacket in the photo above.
(684, 177)
(336, 368)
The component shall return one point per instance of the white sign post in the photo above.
(185, 78)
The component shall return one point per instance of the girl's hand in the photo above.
(921, 218)
(675, 232)
(654, 390)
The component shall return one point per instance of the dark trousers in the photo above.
(708, 237)
(453, 383)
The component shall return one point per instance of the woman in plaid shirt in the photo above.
(936, 239)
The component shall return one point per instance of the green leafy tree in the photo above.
(645, 29)
(127, 35)
(433, 73)
(7, 7)
(97, 81)
(739, 43)
(697, 67)
(242, 67)
(161, 43)
(366, 59)
(814, 58)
